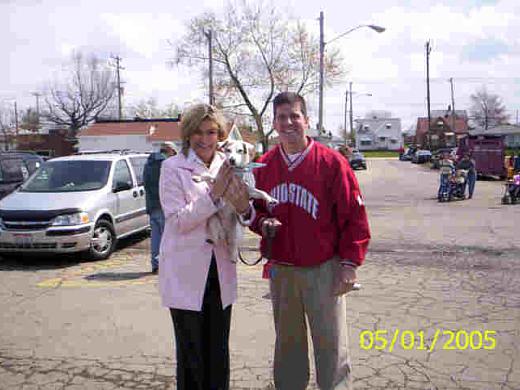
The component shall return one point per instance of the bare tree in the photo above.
(257, 52)
(148, 108)
(487, 109)
(30, 120)
(6, 125)
(84, 96)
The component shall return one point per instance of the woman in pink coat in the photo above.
(197, 278)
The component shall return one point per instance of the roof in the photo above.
(461, 124)
(497, 130)
(448, 113)
(156, 130)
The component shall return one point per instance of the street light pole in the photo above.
(351, 115)
(322, 70)
(345, 124)
(378, 29)
(209, 35)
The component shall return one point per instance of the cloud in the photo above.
(485, 50)
(144, 33)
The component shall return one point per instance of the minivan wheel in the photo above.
(103, 240)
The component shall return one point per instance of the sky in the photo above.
(475, 42)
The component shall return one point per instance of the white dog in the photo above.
(223, 225)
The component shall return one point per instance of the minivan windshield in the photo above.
(69, 176)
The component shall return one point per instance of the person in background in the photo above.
(446, 171)
(197, 278)
(401, 151)
(151, 173)
(468, 164)
(321, 236)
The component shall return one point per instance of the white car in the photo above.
(82, 202)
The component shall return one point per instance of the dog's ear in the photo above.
(221, 145)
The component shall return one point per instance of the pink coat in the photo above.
(185, 256)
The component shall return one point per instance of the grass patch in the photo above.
(509, 152)
(380, 153)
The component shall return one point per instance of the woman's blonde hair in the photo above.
(193, 116)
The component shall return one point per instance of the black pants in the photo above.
(202, 341)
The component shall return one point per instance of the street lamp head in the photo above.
(378, 29)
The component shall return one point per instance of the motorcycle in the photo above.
(453, 186)
(512, 190)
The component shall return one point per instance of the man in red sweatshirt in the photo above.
(322, 236)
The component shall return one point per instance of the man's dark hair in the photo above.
(289, 98)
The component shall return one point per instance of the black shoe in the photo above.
(155, 270)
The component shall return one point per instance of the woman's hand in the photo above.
(222, 180)
(237, 194)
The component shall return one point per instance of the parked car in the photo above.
(436, 155)
(82, 202)
(357, 160)
(15, 168)
(408, 154)
(421, 156)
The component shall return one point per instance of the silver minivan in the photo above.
(83, 202)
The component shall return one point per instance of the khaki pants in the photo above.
(300, 291)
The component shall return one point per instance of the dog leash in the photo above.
(269, 237)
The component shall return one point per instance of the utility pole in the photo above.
(428, 50)
(118, 67)
(351, 114)
(453, 108)
(346, 111)
(322, 55)
(37, 95)
(209, 35)
(16, 117)
(517, 117)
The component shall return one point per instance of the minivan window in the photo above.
(32, 164)
(122, 173)
(138, 164)
(69, 176)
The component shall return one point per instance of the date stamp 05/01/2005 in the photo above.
(407, 339)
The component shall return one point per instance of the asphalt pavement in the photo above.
(439, 307)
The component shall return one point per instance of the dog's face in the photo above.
(239, 153)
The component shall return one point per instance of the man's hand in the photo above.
(270, 227)
(345, 279)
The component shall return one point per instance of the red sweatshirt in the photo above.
(321, 208)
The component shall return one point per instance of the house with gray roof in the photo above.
(511, 134)
(376, 133)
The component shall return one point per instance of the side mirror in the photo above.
(122, 186)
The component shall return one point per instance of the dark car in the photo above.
(408, 154)
(357, 161)
(15, 168)
(421, 156)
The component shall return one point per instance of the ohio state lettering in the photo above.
(297, 195)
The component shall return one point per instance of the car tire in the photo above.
(103, 240)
